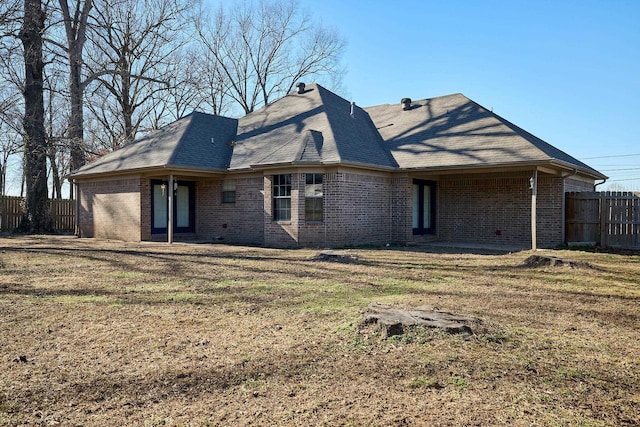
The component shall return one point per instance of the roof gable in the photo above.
(280, 133)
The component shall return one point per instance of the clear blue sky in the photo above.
(566, 71)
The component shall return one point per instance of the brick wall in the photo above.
(550, 211)
(145, 209)
(240, 222)
(357, 209)
(401, 209)
(110, 209)
(496, 209)
(572, 184)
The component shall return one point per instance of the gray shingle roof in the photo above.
(315, 126)
(319, 127)
(454, 132)
(196, 141)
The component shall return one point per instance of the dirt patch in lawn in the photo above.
(111, 333)
(553, 261)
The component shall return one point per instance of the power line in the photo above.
(621, 169)
(608, 157)
(624, 179)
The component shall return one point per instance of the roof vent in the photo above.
(300, 87)
(406, 103)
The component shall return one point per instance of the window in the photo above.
(229, 191)
(282, 197)
(313, 197)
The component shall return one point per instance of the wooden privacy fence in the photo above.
(608, 219)
(11, 209)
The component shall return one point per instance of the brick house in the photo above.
(314, 170)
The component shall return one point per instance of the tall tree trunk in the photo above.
(76, 30)
(37, 216)
(56, 192)
(3, 174)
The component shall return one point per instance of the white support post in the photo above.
(170, 219)
(534, 194)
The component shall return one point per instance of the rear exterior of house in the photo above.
(313, 170)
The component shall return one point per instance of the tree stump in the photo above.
(552, 261)
(336, 256)
(395, 322)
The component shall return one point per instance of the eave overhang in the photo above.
(151, 170)
(550, 166)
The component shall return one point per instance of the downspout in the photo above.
(534, 218)
(170, 219)
(600, 183)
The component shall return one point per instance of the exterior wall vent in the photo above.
(300, 87)
(406, 103)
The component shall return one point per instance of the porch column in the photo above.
(534, 194)
(170, 220)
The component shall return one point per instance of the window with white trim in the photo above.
(282, 197)
(229, 191)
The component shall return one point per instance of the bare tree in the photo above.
(184, 92)
(9, 14)
(211, 81)
(11, 82)
(37, 217)
(135, 44)
(10, 132)
(11, 87)
(76, 26)
(262, 49)
(57, 124)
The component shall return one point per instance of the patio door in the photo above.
(424, 207)
(183, 207)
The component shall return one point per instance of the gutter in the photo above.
(325, 164)
(511, 165)
(161, 169)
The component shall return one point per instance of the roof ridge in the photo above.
(419, 99)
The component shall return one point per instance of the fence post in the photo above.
(604, 210)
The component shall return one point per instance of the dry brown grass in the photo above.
(107, 333)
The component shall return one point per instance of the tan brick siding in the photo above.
(145, 209)
(357, 209)
(577, 185)
(241, 222)
(110, 209)
(401, 210)
(497, 210)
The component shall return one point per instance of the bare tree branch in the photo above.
(262, 49)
